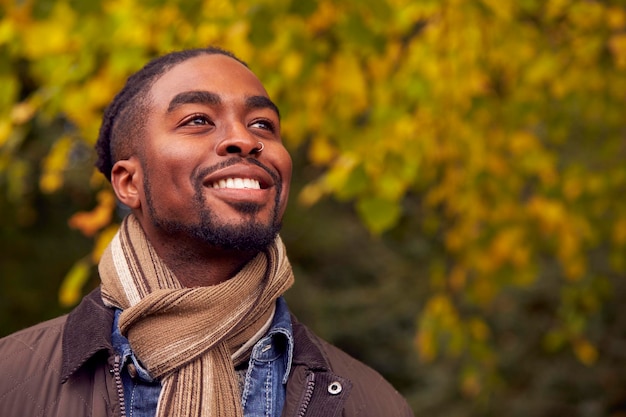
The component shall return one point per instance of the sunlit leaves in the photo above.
(54, 165)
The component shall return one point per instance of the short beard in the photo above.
(250, 235)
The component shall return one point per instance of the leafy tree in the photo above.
(479, 142)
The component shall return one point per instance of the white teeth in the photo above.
(238, 183)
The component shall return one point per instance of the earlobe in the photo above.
(126, 182)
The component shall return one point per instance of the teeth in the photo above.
(238, 183)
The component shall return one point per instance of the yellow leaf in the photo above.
(51, 36)
(585, 352)
(291, 65)
(426, 345)
(619, 232)
(70, 290)
(208, 32)
(5, 131)
(470, 383)
(458, 278)
(340, 171)
(478, 329)
(23, 112)
(321, 152)
(102, 242)
(347, 79)
(550, 213)
(89, 222)
(503, 8)
(574, 269)
(54, 165)
(7, 31)
(324, 16)
(616, 17)
(504, 245)
(555, 8)
(617, 45)
(521, 143)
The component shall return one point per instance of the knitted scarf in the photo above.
(190, 338)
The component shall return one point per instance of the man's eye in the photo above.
(197, 120)
(263, 124)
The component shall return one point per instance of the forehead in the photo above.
(216, 73)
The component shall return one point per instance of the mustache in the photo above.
(199, 175)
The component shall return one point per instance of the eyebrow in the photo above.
(261, 102)
(193, 97)
(209, 98)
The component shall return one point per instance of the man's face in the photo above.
(201, 176)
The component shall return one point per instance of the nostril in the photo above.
(233, 149)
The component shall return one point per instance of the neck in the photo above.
(204, 268)
(194, 263)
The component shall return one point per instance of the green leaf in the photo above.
(354, 30)
(378, 214)
(303, 8)
(261, 20)
(355, 184)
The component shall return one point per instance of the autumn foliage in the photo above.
(485, 139)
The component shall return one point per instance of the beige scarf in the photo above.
(190, 338)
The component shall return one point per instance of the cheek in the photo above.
(172, 166)
(167, 183)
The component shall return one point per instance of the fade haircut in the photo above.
(123, 121)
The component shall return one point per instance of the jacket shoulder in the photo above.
(61, 367)
(30, 365)
(371, 394)
(39, 342)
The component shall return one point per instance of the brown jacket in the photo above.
(66, 367)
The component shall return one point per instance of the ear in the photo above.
(127, 182)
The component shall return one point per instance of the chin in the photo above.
(250, 236)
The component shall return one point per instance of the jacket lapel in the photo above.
(87, 332)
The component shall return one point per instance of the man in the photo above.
(189, 319)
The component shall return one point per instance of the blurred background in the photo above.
(457, 217)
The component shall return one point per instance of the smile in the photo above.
(237, 184)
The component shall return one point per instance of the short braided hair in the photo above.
(122, 121)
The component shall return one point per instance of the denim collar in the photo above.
(278, 341)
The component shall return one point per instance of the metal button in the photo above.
(132, 370)
(335, 388)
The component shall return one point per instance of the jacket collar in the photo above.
(307, 351)
(87, 332)
(312, 382)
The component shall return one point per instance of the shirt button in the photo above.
(335, 388)
(132, 370)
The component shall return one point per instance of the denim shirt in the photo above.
(264, 386)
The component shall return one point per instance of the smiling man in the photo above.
(189, 319)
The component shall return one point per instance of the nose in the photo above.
(238, 140)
